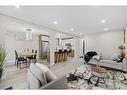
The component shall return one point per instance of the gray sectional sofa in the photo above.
(41, 77)
(111, 64)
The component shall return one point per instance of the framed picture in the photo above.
(23, 36)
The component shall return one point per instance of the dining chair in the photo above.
(19, 60)
(32, 50)
(35, 51)
(30, 57)
(33, 57)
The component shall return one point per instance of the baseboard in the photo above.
(9, 63)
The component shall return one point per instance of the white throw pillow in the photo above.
(96, 57)
(50, 76)
(33, 81)
(38, 73)
(43, 67)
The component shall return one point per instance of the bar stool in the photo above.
(69, 53)
(65, 55)
(56, 57)
(60, 55)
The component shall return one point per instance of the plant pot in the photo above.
(1, 71)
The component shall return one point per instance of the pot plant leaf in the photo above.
(2, 58)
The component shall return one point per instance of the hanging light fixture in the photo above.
(28, 34)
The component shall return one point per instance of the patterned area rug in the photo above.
(114, 79)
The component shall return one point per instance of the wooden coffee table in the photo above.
(98, 73)
(98, 70)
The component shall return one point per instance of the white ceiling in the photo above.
(18, 26)
(83, 19)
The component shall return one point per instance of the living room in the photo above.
(69, 37)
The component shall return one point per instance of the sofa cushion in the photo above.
(111, 64)
(50, 76)
(48, 73)
(33, 82)
(108, 61)
(43, 67)
(58, 83)
(38, 73)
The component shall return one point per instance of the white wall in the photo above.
(1, 38)
(76, 46)
(72, 41)
(81, 47)
(12, 44)
(9, 26)
(106, 43)
(4, 22)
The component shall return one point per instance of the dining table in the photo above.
(26, 54)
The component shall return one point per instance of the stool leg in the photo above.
(65, 56)
(60, 58)
(57, 58)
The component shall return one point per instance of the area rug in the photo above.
(115, 79)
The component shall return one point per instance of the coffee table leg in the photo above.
(89, 80)
(96, 84)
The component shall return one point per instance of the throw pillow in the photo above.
(38, 73)
(33, 82)
(43, 67)
(50, 76)
(48, 73)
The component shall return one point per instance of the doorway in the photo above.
(44, 48)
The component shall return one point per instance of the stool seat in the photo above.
(61, 55)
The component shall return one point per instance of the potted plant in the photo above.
(122, 51)
(2, 59)
(97, 59)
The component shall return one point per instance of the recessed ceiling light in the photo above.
(103, 21)
(106, 29)
(55, 22)
(28, 25)
(17, 6)
(80, 33)
(72, 29)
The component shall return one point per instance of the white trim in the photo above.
(10, 62)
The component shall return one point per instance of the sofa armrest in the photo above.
(59, 83)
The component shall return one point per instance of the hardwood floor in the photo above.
(17, 78)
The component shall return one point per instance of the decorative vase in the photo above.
(1, 71)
